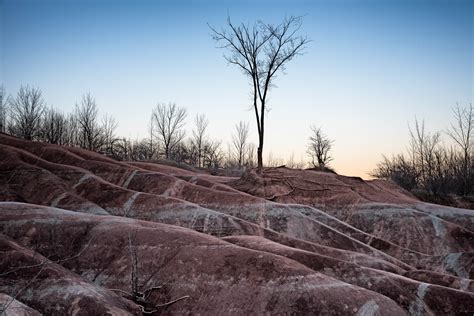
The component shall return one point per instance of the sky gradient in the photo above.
(372, 67)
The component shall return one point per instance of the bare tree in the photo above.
(142, 298)
(26, 113)
(90, 133)
(124, 150)
(109, 125)
(72, 131)
(213, 156)
(53, 127)
(168, 122)
(250, 158)
(417, 146)
(260, 52)
(399, 169)
(423, 146)
(199, 136)
(462, 132)
(431, 169)
(3, 110)
(152, 150)
(239, 142)
(319, 148)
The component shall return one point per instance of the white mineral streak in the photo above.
(56, 201)
(451, 263)
(464, 285)
(83, 179)
(368, 309)
(172, 190)
(417, 307)
(128, 205)
(438, 226)
(129, 179)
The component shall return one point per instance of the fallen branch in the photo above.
(173, 301)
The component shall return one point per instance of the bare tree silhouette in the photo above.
(423, 146)
(319, 148)
(72, 130)
(168, 122)
(27, 109)
(199, 136)
(260, 51)
(90, 133)
(239, 142)
(109, 125)
(462, 132)
(431, 170)
(53, 129)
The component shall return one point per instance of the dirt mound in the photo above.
(284, 241)
(319, 189)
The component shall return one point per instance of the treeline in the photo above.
(26, 115)
(430, 167)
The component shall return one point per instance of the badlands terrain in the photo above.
(80, 232)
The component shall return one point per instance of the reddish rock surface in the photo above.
(284, 241)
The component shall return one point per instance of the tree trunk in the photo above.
(260, 147)
(259, 158)
(466, 171)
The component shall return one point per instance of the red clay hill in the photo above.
(84, 234)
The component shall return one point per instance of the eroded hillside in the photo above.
(284, 241)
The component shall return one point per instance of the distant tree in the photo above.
(109, 125)
(462, 132)
(213, 156)
(26, 111)
(3, 110)
(131, 150)
(53, 127)
(181, 153)
(319, 148)
(199, 137)
(398, 169)
(250, 157)
(152, 147)
(140, 150)
(239, 142)
(292, 163)
(90, 133)
(423, 146)
(260, 52)
(430, 169)
(72, 131)
(168, 123)
(124, 150)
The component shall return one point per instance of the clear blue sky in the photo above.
(371, 67)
